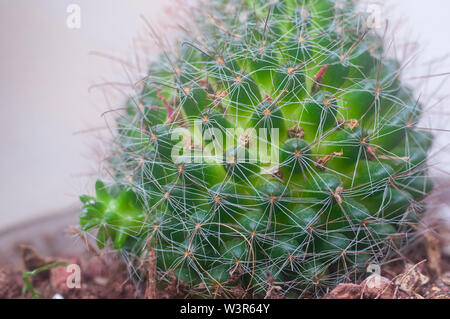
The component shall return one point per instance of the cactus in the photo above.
(276, 147)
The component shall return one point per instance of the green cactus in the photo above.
(276, 146)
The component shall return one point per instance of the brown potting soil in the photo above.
(422, 274)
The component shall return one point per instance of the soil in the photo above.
(423, 274)
(415, 277)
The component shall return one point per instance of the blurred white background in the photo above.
(46, 70)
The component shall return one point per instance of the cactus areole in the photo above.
(276, 147)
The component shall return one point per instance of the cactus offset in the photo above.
(276, 148)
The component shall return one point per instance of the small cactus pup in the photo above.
(276, 147)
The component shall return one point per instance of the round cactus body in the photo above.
(275, 148)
